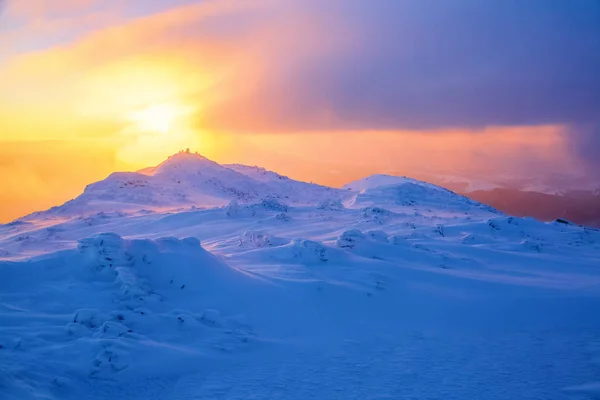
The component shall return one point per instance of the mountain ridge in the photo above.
(192, 180)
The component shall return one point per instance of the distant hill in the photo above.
(581, 207)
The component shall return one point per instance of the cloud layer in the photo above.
(429, 64)
(302, 66)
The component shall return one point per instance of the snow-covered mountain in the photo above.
(185, 180)
(198, 280)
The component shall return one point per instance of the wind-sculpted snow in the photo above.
(233, 282)
(115, 306)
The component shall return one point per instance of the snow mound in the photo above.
(310, 252)
(355, 238)
(124, 305)
(138, 266)
(349, 239)
(407, 195)
(260, 239)
(381, 180)
(377, 214)
(331, 205)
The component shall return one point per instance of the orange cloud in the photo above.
(181, 53)
(493, 151)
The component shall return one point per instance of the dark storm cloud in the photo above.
(461, 63)
(435, 64)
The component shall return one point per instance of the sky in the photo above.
(321, 90)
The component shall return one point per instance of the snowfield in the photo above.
(194, 280)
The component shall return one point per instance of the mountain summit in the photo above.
(181, 163)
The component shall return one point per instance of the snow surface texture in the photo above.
(194, 280)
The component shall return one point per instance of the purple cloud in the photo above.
(428, 64)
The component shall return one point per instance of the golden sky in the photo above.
(90, 87)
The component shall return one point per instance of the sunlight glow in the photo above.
(157, 117)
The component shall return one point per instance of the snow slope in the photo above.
(176, 287)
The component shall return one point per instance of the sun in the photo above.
(156, 118)
(157, 131)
